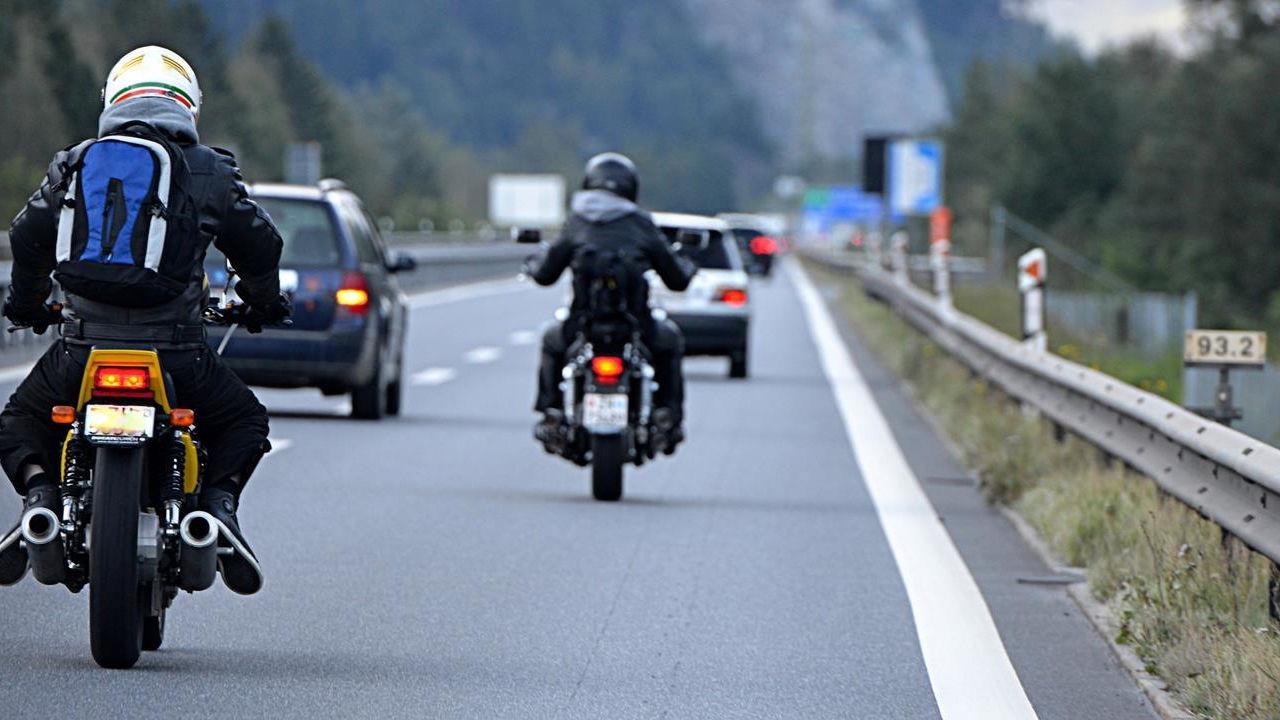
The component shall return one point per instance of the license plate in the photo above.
(604, 412)
(124, 424)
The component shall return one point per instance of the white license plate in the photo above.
(604, 412)
(125, 422)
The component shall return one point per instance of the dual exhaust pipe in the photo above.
(198, 533)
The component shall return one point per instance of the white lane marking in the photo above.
(15, 372)
(524, 337)
(482, 355)
(278, 445)
(969, 669)
(470, 291)
(434, 376)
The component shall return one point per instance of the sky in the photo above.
(1096, 24)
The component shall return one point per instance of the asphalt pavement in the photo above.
(440, 565)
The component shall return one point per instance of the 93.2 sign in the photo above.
(1224, 347)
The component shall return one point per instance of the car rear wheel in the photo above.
(738, 363)
(369, 401)
(395, 389)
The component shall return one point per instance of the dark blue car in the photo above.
(349, 314)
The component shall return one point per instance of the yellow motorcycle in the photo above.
(131, 467)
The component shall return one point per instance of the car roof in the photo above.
(692, 222)
(285, 191)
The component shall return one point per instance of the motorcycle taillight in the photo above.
(607, 369)
(110, 381)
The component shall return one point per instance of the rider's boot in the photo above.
(668, 430)
(13, 558)
(550, 430)
(240, 569)
(41, 493)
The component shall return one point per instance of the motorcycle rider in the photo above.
(605, 217)
(154, 87)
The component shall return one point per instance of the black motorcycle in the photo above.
(607, 386)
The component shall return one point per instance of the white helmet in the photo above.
(153, 71)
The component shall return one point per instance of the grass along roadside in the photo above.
(1194, 608)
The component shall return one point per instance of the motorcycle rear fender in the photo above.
(151, 361)
(125, 358)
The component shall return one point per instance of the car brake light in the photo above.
(607, 369)
(354, 293)
(763, 245)
(122, 381)
(733, 296)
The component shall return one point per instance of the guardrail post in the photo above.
(898, 256)
(1031, 274)
(874, 254)
(940, 259)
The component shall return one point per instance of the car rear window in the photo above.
(307, 229)
(711, 252)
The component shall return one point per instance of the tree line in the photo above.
(259, 96)
(1163, 167)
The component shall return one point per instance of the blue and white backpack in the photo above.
(128, 232)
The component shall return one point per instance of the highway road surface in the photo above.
(813, 551)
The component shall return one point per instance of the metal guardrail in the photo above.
(1225, 475)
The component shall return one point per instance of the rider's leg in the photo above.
(233, 429)
(667, 348)
(554, 347)
(30, 441)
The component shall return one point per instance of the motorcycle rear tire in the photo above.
(116, 604)
(608, 455)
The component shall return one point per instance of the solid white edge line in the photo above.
(969, 668)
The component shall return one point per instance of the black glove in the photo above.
(36, 317)
(275, 313)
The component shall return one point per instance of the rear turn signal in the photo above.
(122, 381)
(64, 414)
(354, 293)
(607, 368)
(733, 296)
(181, 417)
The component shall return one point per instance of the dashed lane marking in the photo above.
(523, 337)
(434, 376)
(482, 355)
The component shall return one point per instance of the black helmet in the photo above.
(613, 172)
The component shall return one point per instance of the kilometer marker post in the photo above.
(1031, 275)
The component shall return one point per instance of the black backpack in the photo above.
(609, 277)
(128, 230)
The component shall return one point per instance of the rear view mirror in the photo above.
(527, 236)
(401, 262)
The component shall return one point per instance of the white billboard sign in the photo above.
(531, 201)
(915, 176)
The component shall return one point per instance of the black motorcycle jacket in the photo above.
(605, 221)
(228, 218)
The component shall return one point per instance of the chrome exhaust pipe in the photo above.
(198, 566)
(42, 532)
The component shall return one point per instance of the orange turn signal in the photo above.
(181, 417)
(64, 414)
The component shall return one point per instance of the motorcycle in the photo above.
(607, 386)
(131, 466)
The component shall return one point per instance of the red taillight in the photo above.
(733, 296)
(354, 293)
(607, 369)
(122, 381)
(763, 245)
